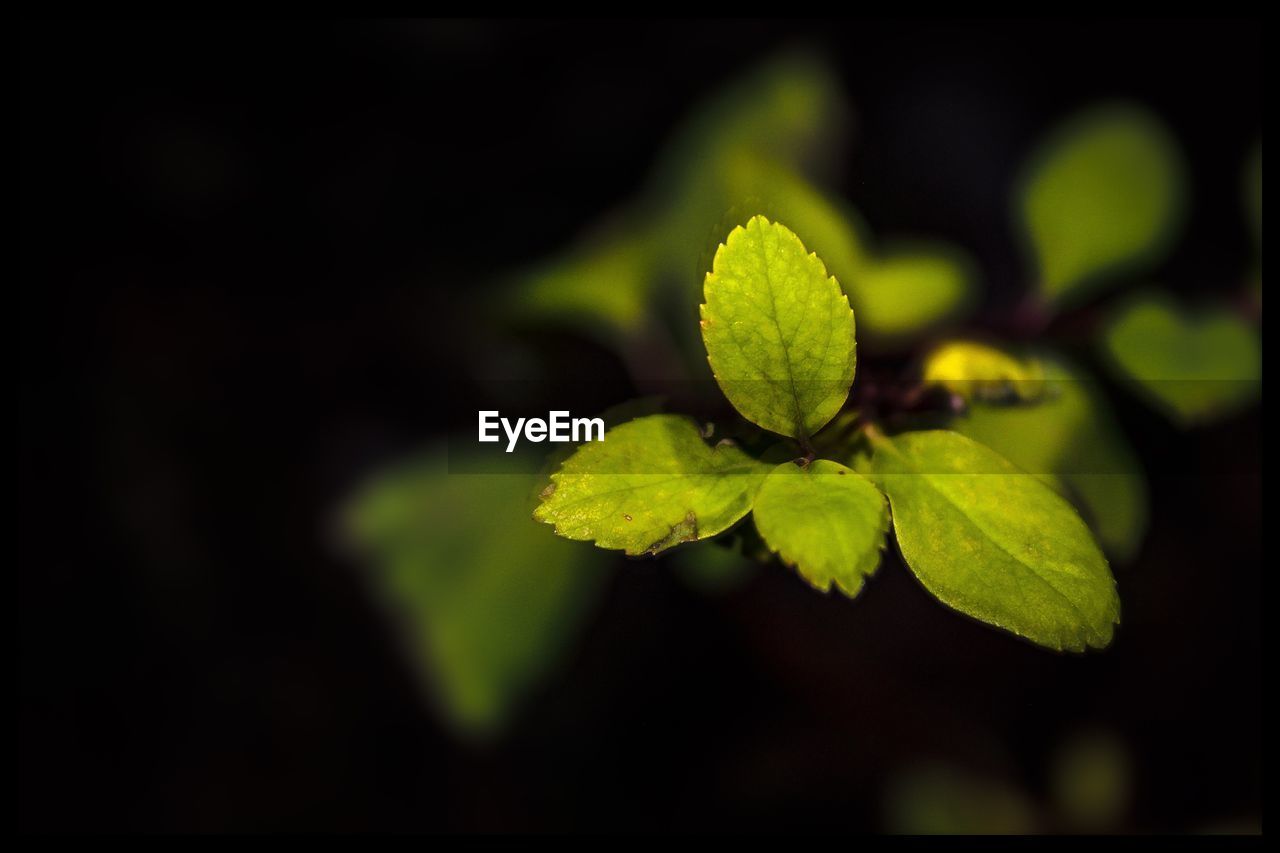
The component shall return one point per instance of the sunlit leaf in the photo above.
(976, 371)
(1102, 196)
(1194, 367)
(825, 520)
(751, 185)
(897, 292)
(487, 600)
(995, 542)
(651, 484)
(1069, 438)
(778, 330)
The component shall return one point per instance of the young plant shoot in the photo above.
(982, 535)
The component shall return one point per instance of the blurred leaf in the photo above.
(1193, 367)
(712, 568)
(825, 520)
(778, 330)
(1102, 196)
(976, 371)
(897, 292)
(1091, 781)
(939, 800)
(1253, 193)
(994, 542)
(604, 285)
(752, 185)
(786, 113)
(651, 484)
(1070, 440)
(752, 149)
(908, 288)
(751, 141)
(487, 601)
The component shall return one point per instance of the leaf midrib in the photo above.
(786, 350)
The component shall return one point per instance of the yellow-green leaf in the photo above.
(1103, 196)
(995, 542)
(977, 371)
(825, 520)
(908, 288)
(897, 291)
(778, 330)
(651, 484)
(604, 285)
(1068, 438)
(1193, 367)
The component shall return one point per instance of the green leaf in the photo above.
(778, 330)
(603, 285)
(1193, 367)
(896, 292)
(486, 600)
(788, 111)
(750, 185)
(650, 485)
(994, 542)
(825, 520)
(1069, 439)
(712, 568)
(1103, 196)
(976, 371)
(908, 288)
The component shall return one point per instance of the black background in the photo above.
(236, 242)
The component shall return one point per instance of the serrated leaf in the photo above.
(976, 371)
(994, 542)
(751, 185)
(896, 292)
(1069, 439)
(1103, 195)
(778, 330)
(1194, 368)
(651, 484)
(825, 520)
(486, 600)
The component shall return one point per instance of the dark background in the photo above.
(236, 242)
